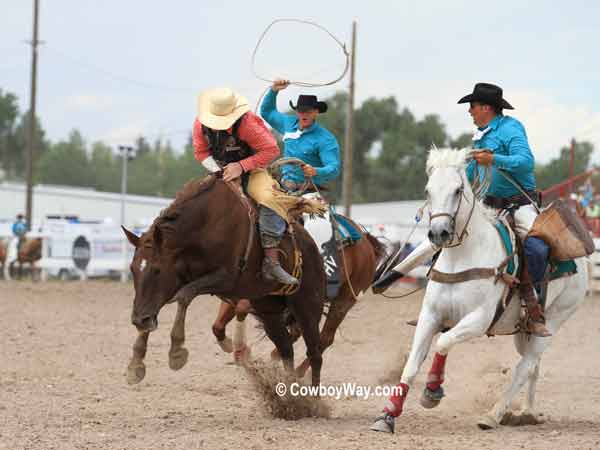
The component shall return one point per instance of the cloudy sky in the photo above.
(116, 69)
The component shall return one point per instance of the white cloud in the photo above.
(126, 134)
(89, 102)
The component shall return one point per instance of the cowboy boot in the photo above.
(272, 270)
(536, 323)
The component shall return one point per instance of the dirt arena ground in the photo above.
(65, 348)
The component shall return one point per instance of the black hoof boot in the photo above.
(430, 399)
(386, 281)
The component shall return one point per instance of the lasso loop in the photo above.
(297, 82)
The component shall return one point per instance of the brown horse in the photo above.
(2, 256)
(357, 273)
(29, 252)
(205, 243)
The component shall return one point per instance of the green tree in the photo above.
(21, 136)
(557, 170)
(66, 163)
(9, 112)
(465, 140)
(105, 168)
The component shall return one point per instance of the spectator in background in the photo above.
(593, 210)
(19, 229)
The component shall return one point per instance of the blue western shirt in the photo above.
(19, 228)
(314, 145)
(507, 138)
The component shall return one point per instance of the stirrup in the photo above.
(530, 326)
(272, 271)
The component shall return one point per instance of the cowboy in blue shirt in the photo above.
(505, 141)
(504, 146)
(19, 229)
(303, 138)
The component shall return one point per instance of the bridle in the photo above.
(452, 217)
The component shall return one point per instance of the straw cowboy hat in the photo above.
(219, 108)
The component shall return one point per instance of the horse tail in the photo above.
(390, 261)
(378, 246)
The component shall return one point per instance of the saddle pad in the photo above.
(508, 239)
(321, 230)
(347, 231)
(558, 268)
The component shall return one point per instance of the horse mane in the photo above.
(446, 157)
(190, 191)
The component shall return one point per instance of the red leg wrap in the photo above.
(396, 401)
(435, 378)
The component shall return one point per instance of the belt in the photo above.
(512, 202)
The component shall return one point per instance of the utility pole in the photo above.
(571, 165)
(32, 122)
(126, 154)
(348, 158)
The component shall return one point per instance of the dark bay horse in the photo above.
(357, 271)
(204, 243)
(2, 255)
(29, 253)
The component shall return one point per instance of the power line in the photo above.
(90, 66)
(120, 140)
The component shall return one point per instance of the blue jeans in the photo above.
(272, 227)
(536, 256)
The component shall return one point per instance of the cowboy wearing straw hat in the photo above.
(227, 136)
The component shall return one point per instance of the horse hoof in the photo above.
(275, 356)
(302, 368)
(226, 345)
(487, 423)
(136, 373)
(431, 399)
(384, 423)
(242, 356)
(518, 420)
(178, 358)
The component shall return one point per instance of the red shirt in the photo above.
(253, 131)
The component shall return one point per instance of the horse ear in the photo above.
(132, 238)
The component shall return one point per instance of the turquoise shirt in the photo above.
(19, 228)
(507, 138)
(314, 145)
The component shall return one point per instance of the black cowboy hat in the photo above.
(488, 94)
(308, 102)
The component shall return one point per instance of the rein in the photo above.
(244, 259)
(452, 217)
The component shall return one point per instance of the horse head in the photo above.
(185, 243)
(449, 195)
(156, 275)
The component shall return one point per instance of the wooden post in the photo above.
(347, 176)
(32, 122)
(571, 165)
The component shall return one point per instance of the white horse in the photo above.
(464, 227)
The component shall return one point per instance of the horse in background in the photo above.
(29, 253)
(359, 263)
(3, 250)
